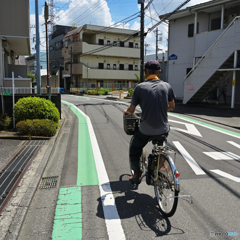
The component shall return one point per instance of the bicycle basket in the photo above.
(130, 123)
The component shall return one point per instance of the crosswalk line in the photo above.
(234, 144)
(226, 175)
(192, 163)
(222, 155)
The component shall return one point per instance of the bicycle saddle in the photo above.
(157, 139)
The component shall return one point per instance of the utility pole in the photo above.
(146, 45)
(142, 41)
(157, 44)
(46, 23)
(37, 49)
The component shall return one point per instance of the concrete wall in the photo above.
(14, 17)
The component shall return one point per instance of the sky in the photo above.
(114, 13)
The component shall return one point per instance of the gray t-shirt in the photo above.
(153, 96)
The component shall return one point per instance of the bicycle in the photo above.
(213, 97)
(159, 169)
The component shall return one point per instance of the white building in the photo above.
(204, 41)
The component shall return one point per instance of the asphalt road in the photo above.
(215, 195)
(208, 158)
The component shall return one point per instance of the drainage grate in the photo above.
(11, 174)
(34, 143)
(48, 182)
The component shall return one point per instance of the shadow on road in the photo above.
(140, 206)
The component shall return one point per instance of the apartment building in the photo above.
(204, 45)
(14, 41)
(100, 55)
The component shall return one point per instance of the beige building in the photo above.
(14, 41)
(100, 55)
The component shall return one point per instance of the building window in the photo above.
(76, 37)
(121, 66)
(58, 45)
(215, 24)
(114, 66)
(108, 42)
(130, 67)
(100, 41)
(114, 43)
(131, 44)
(121, 44)
(136, 45)
(66, 44)
(188, 70)
(100, 65)
(136, 67)
(75, 58)
(66, 66)
(108, 66)
(191, 29)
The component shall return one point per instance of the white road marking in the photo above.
(234, 144)
(222, 155)
(192, 163)
(112, 219)
(191, 129)
(226, 175)
(217, 129)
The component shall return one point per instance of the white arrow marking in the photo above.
(234, 144)
(192, 163)
(191, 129)
(226, 175)
(222, 155)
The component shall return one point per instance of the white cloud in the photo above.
(95, 12)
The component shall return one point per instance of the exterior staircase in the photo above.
(214, 65)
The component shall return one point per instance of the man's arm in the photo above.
(129, 110)
(171, 105)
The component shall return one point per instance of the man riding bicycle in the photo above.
(155, 98)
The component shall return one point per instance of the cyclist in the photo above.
(155, 98)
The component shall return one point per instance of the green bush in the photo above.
(37, 127)
(130, 91)
(5, 122)
(103, 91)
(35, 108)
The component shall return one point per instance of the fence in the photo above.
(111, 86)
(24, 90)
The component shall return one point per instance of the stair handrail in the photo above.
(212, 46)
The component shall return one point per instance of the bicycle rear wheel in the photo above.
(165, 192)
(143, 160)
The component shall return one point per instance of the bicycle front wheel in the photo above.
(164, 187)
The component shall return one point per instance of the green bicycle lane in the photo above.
(91, 172)
(68, 213)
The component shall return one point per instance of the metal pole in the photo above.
(234, 79)
(13, 94)
(37, 49)
(71, 66)
(142, 43)
(87, 76)
(1, 73)
(157, 44)
(47, 57)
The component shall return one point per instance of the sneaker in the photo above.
(136, 178)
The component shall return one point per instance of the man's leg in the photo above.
(138, 143)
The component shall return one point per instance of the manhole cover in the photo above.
(48, 182)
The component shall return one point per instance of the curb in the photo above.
(20, 209)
